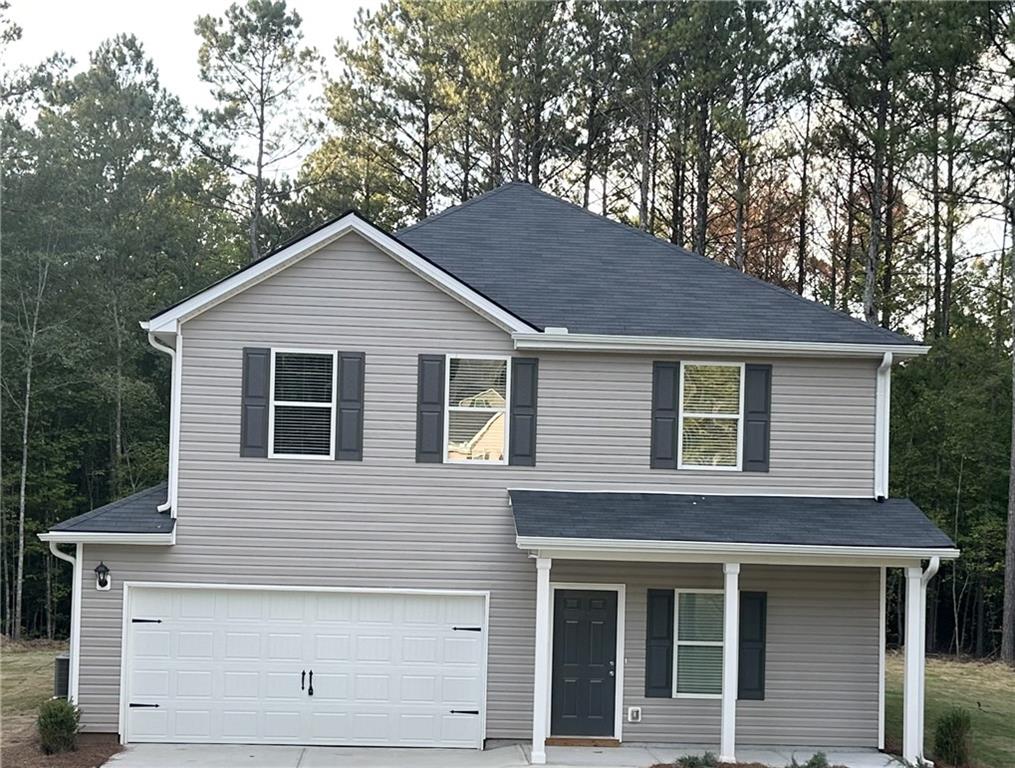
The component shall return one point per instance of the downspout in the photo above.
(882, 408)
(169, 504)
(75, 617)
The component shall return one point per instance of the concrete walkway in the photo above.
(497, 755)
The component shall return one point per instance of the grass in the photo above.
(985, 689)
(26, 678)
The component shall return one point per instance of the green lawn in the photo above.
(26, 680)
(986, 690)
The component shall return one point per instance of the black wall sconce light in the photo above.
(102, 580)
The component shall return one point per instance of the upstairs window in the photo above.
(697, 655)
(476, 420)
(711, 415)
(302, 414)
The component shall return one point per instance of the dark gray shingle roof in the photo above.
(136, 513)
(555, 264)
(724, 519)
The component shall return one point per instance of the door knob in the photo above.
(611, 673)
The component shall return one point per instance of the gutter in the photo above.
(75, 617)
(882, 416)
(169, 505)
(558, 339)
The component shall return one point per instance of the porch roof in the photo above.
(133, 519)
(543, 518)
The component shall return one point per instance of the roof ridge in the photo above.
(464, 204)
(685, 252)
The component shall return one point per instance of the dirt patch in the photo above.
(22, 750)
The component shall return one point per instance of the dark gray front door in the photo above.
(582, 702)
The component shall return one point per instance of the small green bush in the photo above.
(708, 760)
(953, 738)
(817, 760)
(58, 726)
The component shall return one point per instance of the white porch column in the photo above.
(730, 661)
(541, 683)
(912, 699)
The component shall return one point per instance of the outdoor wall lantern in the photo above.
(102, 580)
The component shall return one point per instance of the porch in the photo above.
(645, 636)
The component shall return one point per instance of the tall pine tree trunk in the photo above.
(804, 200)
(703, 131)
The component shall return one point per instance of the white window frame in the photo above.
(693, 415)
(333, 353)
(448, 407)
(677, 642)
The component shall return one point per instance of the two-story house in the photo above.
(516, 472)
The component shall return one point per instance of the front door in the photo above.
(584, 663)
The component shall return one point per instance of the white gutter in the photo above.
(731, 549)
(75, 618)
(103, 537)
(929, 572)
(882, 416)
(169, 505)
(577, 342)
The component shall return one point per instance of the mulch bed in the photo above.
(94, 749)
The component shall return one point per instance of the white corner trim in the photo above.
(95, 537)
(169, 320)
(882, 415)
(882, 627)
(74, 673)
(577, 342)
(635, 548)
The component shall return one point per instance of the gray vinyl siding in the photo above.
(821, 669)
(390, 522)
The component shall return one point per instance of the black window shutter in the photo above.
(757, 417)
(254, 401)
(522, 428)
(665, 397)
(349, 399)
(659, 644)
(751, 669)
(430, 409)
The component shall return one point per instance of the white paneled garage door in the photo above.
(283, 666)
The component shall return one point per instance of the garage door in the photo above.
(284, 666)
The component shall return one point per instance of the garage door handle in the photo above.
(310, 690)
(467, 629)
(303, 679)
(464, 711)
(132, 705)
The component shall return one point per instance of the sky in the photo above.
(166, 30)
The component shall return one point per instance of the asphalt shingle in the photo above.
(724, 519)
(556, 264)
(136, 513)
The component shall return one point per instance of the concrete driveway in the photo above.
(496, 755)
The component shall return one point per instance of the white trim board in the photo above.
(98, 537)
(618, 706)
(591, 342)
(169, 320)
(702, 552)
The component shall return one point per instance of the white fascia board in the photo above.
(708, 551)
(168, 321)
(95, 537)
(589, 342)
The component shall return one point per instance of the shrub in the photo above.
(817, 760)
(708, 760)
(58, 726)
(953, 738)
